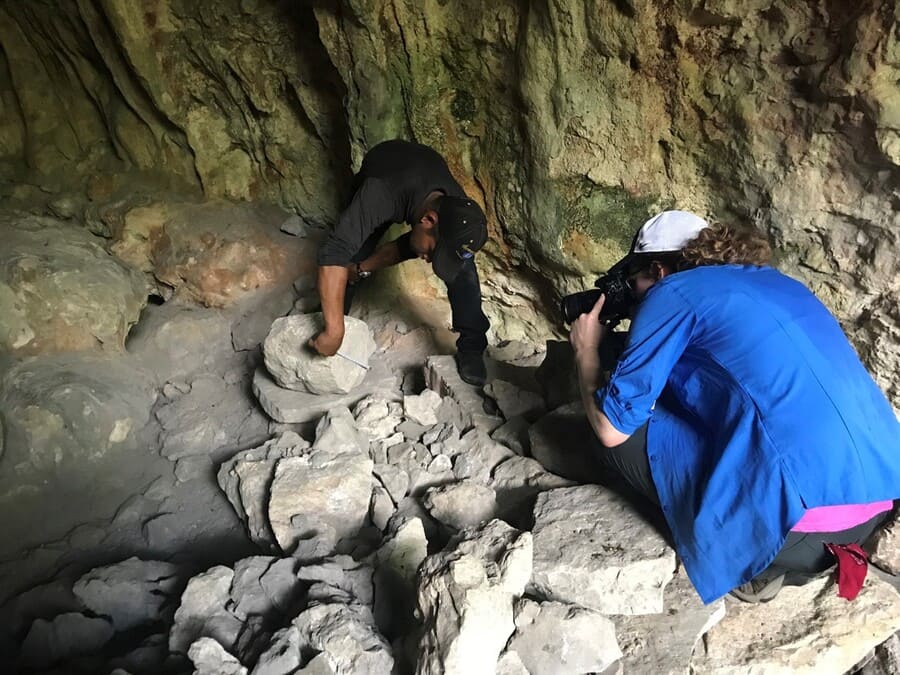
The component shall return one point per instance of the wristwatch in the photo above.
(361, 273)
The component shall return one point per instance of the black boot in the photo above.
(471, 368)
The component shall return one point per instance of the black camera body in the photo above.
(618, 303)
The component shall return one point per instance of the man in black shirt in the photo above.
(407, 182)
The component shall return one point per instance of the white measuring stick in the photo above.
(352, 360)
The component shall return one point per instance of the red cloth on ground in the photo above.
(852, 566)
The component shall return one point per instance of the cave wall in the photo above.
(571, 121)
(223, 97)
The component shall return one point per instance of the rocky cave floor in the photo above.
(415, 524)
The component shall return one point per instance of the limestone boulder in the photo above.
(282, 655)
(337, 432)
(239, 608)
(338, 579)
(517, 481)
(514, 401)
(476, 456)
(460, 505)
(61, 291)
(421, 408)
(378, 417)
(804, 629)
(210, 658)
(66, 636)
(203, 612)
(514, 435)
(129, 593)
(666, 642)
(381, 507)
(592, 548)
(319, 498)
(247, 478)
(293, 365)
(466, 596)
(441, 376)
(347, 639)
(212, 253)
(303, 499)
(558, 639)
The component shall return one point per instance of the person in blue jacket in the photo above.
(740, 408)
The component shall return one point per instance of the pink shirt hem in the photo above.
(839, 518)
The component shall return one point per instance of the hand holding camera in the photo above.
(617, 304)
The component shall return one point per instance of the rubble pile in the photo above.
(410, 533)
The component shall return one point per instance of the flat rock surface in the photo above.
(664, 643)
(286, 405)
(318, 499)
(806, 629)
(592, 548)
(553, 638)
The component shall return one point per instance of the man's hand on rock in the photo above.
(327, 344)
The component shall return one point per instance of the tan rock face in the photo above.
(213, 253)
(61, 291)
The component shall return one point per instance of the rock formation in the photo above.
(294, 365)
(177, 499)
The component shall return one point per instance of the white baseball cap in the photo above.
(666, 232)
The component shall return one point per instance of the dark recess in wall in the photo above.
(326, 80)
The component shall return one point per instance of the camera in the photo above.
(618, 303)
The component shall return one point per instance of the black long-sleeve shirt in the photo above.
(391, 187)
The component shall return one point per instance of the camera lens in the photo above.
(573, 306)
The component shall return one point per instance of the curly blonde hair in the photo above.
(721, 244)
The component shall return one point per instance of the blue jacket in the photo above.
(758, 409)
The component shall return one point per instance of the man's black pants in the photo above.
(464, 293)
(803, 552)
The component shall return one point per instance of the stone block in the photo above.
(592, 548)
(460, 505)
(289, 406)
(665, 643)
(442, 377)
(129, 593)
(514, 401)
(465, 597)
(553, 638)
(318, 499)
(294, 365)
(805, 629)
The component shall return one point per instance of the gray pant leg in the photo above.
(630, 461)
